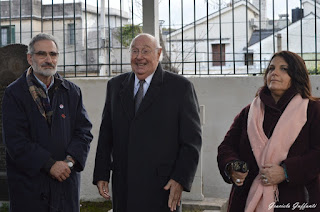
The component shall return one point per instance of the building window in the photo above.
(218, 55)
(7, 35)
(248, 58)
(71, 34)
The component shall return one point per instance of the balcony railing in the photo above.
(200, 37)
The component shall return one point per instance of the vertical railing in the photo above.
(109, 38)
(273, 29)
(98, 43)
(233, 41)
(247, 42)
(170, 51)
(132, 18)
(20, 21)
(182, 36)
(31, 17)
(41, 14)
(1, 24)
(10, 22)
(287, 24)
(315, 38)
(192, 52)
(220, 36)
(52, 18)
(260, 44)
(75, 38)
(86, 34)
(301, 32)
(195, 36)
(208, 53)
(64, 39)
(121, 39)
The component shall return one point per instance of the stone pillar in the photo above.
(151, 17)
(13, 62)
(279, 42)
(196, 190)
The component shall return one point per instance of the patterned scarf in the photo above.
(39, 96)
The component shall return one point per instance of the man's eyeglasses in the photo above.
(144, 52)
(43, 54)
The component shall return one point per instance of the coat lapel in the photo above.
(126, 95)
(153, 90)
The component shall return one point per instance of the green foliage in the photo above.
(127, 35)
(4, 207)
(85, 206)
(164, 29)
(95, 206)
(314, 71)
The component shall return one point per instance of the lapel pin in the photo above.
(61, 106)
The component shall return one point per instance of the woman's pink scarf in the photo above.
(273, 150)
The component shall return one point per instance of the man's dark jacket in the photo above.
(30, 142)
(161, 142)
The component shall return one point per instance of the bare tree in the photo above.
(166, 59)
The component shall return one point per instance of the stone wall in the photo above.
(222, 98)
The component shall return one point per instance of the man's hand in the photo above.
(60, 171)
(103, 187)
(175, 194)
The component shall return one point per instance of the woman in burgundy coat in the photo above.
(271, 152)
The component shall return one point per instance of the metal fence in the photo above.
(200, 37)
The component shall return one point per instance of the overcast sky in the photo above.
(188, 11)
(201, 9)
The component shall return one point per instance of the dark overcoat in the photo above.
(161, 142)
(302, 162)
(30, 142)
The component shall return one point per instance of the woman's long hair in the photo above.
(297, 71)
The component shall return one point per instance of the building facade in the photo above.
(227, 31)
(77, 26)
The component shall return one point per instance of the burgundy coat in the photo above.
(302, 162)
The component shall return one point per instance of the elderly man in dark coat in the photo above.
(152, 149)
(46, 132)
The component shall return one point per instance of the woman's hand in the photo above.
(272, 174)
(238, 177)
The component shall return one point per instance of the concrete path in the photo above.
(209, 204)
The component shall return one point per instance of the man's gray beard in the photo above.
(46, 72)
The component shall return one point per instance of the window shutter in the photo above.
(13, 35)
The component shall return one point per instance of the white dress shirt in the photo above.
(145, 85)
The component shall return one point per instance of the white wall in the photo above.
(223, 98)
(308, 41)
(308, 6)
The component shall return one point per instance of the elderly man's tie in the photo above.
(139, 96)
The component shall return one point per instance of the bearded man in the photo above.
(46, 131)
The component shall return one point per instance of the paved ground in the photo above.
(211, 211)
(208, 205)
